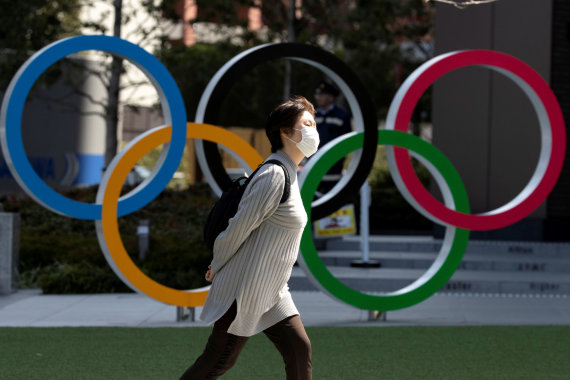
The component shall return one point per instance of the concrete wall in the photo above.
(9, 251)
(482, 121)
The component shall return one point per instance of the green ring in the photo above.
(419, 290)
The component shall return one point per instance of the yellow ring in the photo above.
(109, 224)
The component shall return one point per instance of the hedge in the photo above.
(62, 255)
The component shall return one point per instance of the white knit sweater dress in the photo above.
(254, 256)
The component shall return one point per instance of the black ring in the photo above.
(306, 53)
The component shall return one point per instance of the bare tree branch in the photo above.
(463, 4)
(66, 107)
(134, 84)
(90, 98)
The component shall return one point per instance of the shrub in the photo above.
(82, 277)
(389, 211)
(62, 255)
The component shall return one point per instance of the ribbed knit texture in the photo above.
(254, 256)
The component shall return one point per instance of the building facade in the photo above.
(485, 124)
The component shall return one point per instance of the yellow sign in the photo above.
(338, 223)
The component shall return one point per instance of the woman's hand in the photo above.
(209, 274)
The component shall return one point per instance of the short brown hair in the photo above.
(284, 117)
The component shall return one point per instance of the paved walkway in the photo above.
(29, 308)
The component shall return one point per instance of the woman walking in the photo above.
(254, 256)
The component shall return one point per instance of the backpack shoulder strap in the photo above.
(287, 188)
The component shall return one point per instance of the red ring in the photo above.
(557, 127)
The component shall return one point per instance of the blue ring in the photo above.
(13, 105)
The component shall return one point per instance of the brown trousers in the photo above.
(223, 349)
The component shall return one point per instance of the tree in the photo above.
(381, 40)
(27, 26)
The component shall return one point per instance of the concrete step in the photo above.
(471, 261)
(430, 244)
(387, 280)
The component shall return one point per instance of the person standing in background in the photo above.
(332, 122)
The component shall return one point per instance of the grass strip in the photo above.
(511, 352)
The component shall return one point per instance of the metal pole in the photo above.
(182, 316)
(364, 230)
(364, 221)
(143, 235)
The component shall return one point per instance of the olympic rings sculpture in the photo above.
(453, 213)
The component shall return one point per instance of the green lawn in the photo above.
(338, 353)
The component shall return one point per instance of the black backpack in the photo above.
(226, 207)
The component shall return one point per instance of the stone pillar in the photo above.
(9, 249)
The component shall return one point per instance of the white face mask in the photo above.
(309, 141)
